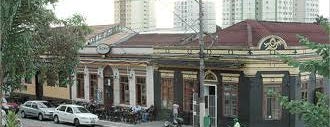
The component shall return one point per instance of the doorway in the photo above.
(108, 87)
(210, 94)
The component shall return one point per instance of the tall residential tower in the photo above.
(186, 15)
(269, 10)
(138, 15)
(307, 10)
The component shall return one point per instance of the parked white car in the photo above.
(3, 118)
(75, 114)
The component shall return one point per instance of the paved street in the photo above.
(32, 122)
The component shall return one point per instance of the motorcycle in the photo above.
(174, 123)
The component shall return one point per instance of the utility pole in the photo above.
(202, 66)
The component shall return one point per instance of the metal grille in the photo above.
(213, 110)
(195, 110)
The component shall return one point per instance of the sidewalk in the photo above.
(105, 123)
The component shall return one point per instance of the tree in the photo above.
(30, 45)
(318, 114)
(323, 22)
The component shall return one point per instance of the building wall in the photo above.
(48, 91)
(118, 70)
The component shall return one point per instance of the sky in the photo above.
(100, 12)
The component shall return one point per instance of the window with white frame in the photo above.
(92, 86)
(230, 99)
(124, 90)
(141, 93)
(304, 87)
(80, 86)
(189, 81)
(167, 93)
(272, 109)
(230, 94)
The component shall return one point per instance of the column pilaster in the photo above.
(86, 83)
(74, 87)
(150, 85)
(132, 87)
(100, 87)
(116, 87)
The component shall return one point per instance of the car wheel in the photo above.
(23, 114)
(76, 122)
(56, 120)
(40, 117)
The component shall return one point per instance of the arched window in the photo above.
(210, 76)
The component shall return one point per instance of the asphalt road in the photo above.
(33, 122)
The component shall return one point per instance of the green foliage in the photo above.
(12, 120)
(324, 22)
(319, 66)
(29, 43)
(314, 115)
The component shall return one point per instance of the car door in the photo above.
(60, 113)
(34, 109)
(69, 114)
(26, 108)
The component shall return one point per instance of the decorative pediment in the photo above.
(210, 76)
(272, 43)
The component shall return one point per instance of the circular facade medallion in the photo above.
(103, 48)
(272, 43)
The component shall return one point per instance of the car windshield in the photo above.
(80, 110)
(45, 105)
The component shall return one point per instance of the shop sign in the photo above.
(103, 48)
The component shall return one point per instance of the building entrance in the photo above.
(108, 87)
(210, 92)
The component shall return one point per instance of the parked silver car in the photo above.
(40, 109)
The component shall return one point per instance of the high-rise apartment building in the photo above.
(269, 10)
(307, 10)
(186, 15)
(138, 15)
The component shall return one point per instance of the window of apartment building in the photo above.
(230, 99)
(124, 90)
(167, 93)
(271, 106)
(80, 86)
(93, 86)
(141, 93)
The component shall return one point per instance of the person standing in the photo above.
(175, 112)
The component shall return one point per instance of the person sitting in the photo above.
(151, 112)
(136, 108)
